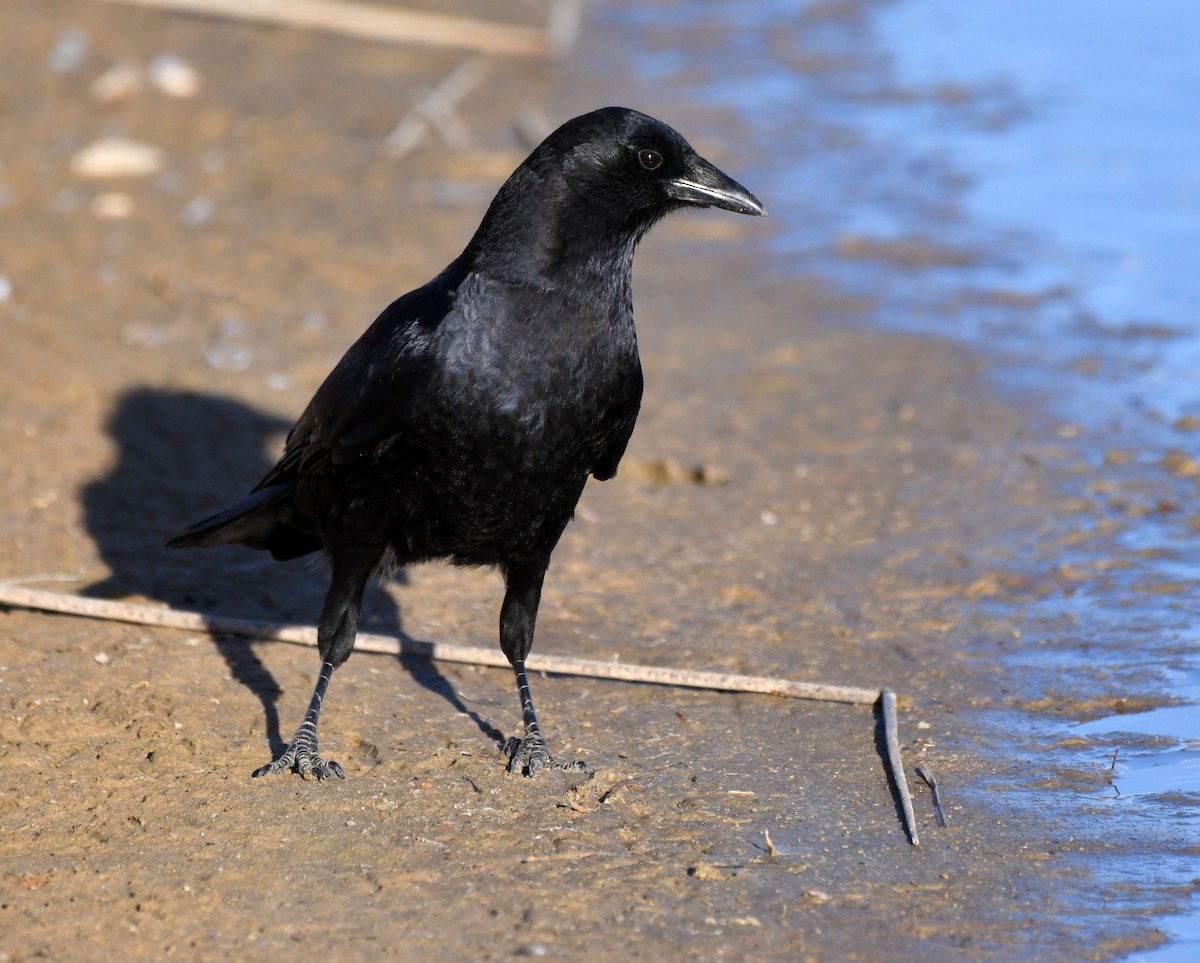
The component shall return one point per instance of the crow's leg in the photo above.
(518, 614)
(302, 753)
(335, 639)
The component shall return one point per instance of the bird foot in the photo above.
(302, 756)
(529, 756)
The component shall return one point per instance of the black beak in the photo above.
(705, 186)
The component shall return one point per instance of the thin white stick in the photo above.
(891, 735)
(437, 109)
(372, 22)
(22, 597)
(18, 596)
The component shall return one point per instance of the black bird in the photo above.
(465, 422)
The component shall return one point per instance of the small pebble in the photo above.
(101, 658)
(119, 83)
(6, 288)
(227, 356)
(230, 352)
(69, 51)
(174, 76)
(117, 157)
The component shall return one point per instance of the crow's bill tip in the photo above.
(706, 186)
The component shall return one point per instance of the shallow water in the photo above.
(1102, 177)
(1025, 178)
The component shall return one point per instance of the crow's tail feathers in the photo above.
(256, 522)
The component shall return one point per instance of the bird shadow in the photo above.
(182, 456)
(427, 675)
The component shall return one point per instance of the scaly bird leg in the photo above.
(518, 615)
(529, 755)
(302, 754)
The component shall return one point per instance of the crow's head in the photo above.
(627, 161)
(592, 188)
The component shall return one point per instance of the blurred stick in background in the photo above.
(391, 24)
(437, 109)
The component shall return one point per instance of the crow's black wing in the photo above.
(369, 397)
(618, 429)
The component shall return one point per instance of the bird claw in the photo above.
(529, 756)
(302, 757)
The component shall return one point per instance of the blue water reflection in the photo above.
(1024, 176)
(1107, 167)
(1054, 147)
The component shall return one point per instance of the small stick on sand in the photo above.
(891, 734)
(939, 814)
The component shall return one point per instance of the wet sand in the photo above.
(855, 523)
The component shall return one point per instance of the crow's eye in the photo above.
(651, 160)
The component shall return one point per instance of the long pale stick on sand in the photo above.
(20, 596)
(369, 22)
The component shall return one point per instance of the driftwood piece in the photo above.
(18, 595)
(372, 22)
(887, 703)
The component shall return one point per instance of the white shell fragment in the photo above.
(174, 76)
(120, 82)
(117, 157)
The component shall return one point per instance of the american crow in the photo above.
(464, 423)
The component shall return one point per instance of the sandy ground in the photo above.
(859, 496)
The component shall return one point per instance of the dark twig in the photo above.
(939, 814)
(891, 734)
